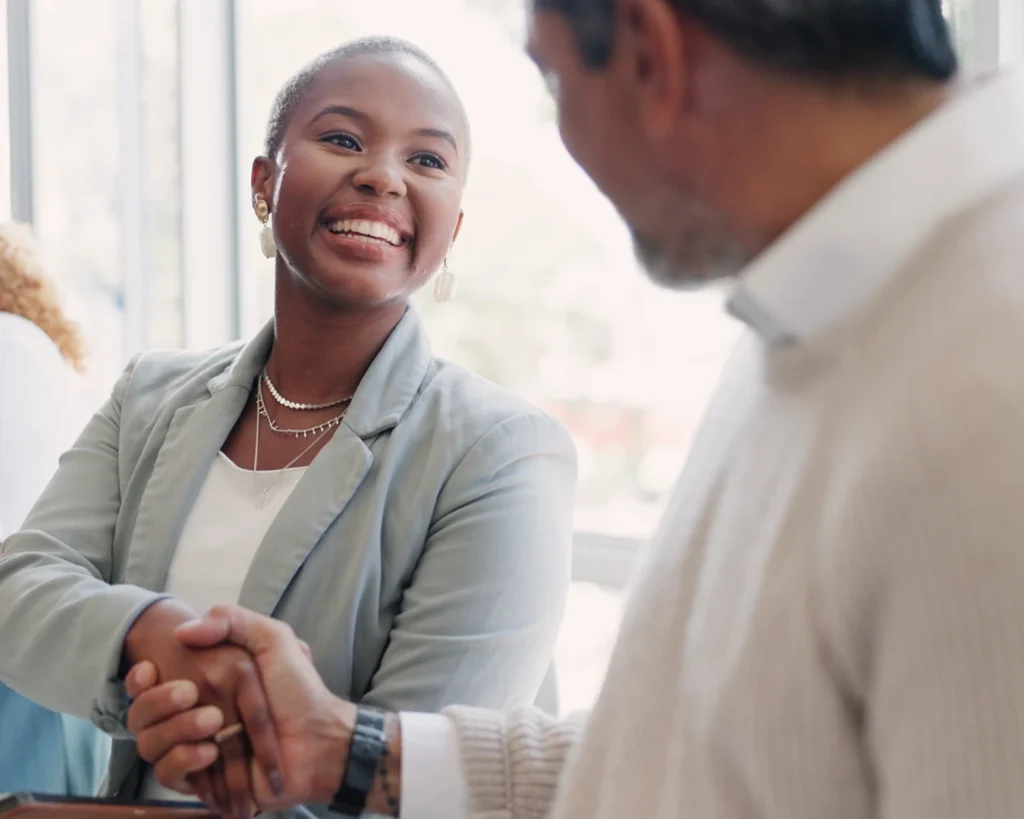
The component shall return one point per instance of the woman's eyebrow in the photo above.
(343, 110)
(440, 134)
(356, 114)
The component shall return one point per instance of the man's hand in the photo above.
(224, 679)
(313, 727)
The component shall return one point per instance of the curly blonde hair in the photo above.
(26, 291)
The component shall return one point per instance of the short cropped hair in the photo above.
(819, 39)
(292, 91)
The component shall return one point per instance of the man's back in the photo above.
(833, 621)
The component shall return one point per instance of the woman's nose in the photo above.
(380, 177)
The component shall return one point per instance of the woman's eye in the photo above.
(429, 161)
(346, 141)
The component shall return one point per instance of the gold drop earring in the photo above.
(267, 243)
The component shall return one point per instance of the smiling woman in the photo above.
(410, 520)
(381, 113)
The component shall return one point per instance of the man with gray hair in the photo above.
(831, 624)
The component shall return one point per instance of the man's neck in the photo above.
(790, 148)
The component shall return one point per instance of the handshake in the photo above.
(230, 709)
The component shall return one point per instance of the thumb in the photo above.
(210, 630)
(233, 624)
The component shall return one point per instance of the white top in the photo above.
(40, 415)
(831, 623)
(218, 544)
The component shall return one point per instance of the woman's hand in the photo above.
(225, 679)
(314, 728)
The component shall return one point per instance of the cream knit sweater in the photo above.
(831, 625)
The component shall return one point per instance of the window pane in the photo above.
(75, 148)
(81, 74)
(958, 14)
(161, 123)
(5, 133)
(551, 303)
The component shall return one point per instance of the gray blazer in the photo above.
(424, 555)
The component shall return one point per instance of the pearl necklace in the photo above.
(261, 409)
(295, 405)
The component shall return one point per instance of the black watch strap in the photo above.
(369, 744)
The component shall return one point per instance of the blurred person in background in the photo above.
(41, 356)
(411, 521)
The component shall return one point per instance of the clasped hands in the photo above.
(193, 678)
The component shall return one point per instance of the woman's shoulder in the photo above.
(460, 399)
(161, 371)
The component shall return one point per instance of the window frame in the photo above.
(215, 307)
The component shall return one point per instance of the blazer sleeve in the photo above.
(62, 624)
(479, 621)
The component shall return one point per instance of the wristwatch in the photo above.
(369, 742)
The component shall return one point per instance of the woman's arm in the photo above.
(479, 621)
(61, 624)
(510, 762)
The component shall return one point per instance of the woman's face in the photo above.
(366, 188)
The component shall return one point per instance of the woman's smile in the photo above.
(367, 232)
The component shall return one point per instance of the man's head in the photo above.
(713, 124)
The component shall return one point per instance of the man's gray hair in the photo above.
(835, 40)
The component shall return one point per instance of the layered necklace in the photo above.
(317, 432)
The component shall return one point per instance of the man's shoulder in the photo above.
(959, 304)
(940, 359)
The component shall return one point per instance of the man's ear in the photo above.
(652, 61)
(261, 180)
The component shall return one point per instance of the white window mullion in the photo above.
(208, 177)
(132, 175)
(16, 186)
(998, 27)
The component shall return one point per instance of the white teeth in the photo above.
(371, 230)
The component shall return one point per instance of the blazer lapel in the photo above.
(194, 437)
(316, 502)
(385, 394)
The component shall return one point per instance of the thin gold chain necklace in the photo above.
(263, 496)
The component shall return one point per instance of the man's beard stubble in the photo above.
(701, 250)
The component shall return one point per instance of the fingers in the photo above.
(174, 769)
(221, 797)
(235, 759)
(259, 726)
(158, 740)
(141, 677)
(158, 704)
(201, 784)
(307, 652)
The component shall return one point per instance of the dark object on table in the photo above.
(40, 806)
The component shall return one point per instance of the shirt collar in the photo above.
(842, 253)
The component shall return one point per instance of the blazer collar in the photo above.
(386, 391)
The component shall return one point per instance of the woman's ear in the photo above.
(262, 179)
(458, 226)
